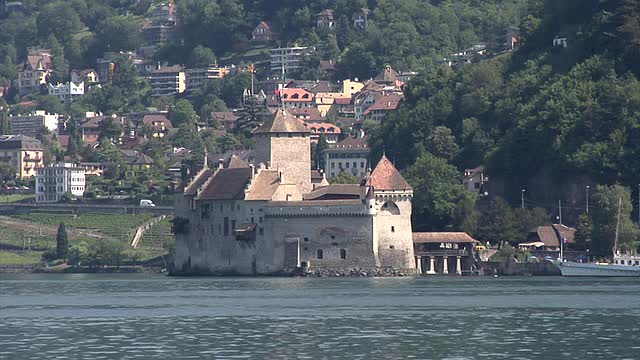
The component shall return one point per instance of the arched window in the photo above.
(343, 254)
(391, 208)
(319, 254)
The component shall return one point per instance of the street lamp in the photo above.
(587, 199)
(522, 199)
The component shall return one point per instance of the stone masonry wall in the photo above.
(292, 156)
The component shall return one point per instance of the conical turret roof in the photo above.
(386, 177)
(282, 122)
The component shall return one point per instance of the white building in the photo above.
(67, 91)
(55, 180)
(350, 155)
(196, 77)
(291, 58)
(32, 124)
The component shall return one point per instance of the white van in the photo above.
(146, 203)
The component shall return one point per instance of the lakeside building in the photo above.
(444, 252)
(268, 218)
(32, 124)
(24, 154)
(52, 182)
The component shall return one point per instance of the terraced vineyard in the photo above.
(24, 238)
(120, 227)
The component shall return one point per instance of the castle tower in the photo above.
(392, 222)
(283, 144)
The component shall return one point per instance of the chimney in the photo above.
(220, 163)
(281, 177)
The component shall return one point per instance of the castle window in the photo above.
(334, 244)
(393, 229)
(343, 254)
(226, 226)
(204, 211)
(261, 231)
(333, 237)
(392, 247)
(252, 220)
(305, 248)
(319, 254)
(233, 224)
(306, 239)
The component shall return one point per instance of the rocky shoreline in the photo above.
(360, 272)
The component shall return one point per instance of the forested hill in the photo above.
(546, 118)
(407, 34)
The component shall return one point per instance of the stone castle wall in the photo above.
(292, 156)
(394, 233)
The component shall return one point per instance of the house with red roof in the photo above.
(331, 132)
(296, 98)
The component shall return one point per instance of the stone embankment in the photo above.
(360, 272)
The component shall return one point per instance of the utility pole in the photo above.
(560, 211)
(587, 199)
(522, 199)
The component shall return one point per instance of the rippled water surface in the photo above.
(153, 316)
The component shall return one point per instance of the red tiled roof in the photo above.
(307, 114)
(342, 100)
(386, 177)
(323, 128)
(295, 95)
(35, 59)
(443, 237)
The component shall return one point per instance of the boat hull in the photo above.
(604, 270)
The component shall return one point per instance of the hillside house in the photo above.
(35, 71)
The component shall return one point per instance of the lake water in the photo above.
(157, 317)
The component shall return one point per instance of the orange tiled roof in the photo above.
(386, 177)
(295, 95)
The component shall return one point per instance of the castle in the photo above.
(268, 219)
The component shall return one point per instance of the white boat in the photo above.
(622, 266)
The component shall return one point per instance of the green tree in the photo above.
(345, 178)
(7, 172)
(182, 114)
(120, 33)
(527, 220)
(608, 201)
(78, 253)
(201, 56)
(62, 242)
(59, 19)
(498, 224)
(249, 117)
(441, 143)
(110, 129)
(584, 228)
(440, 201)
